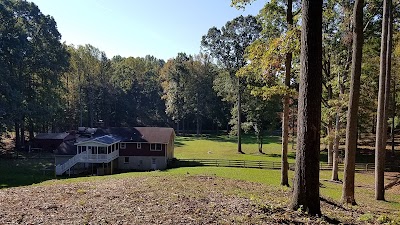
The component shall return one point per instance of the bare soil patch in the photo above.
(159, 200)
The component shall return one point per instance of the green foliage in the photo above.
(32, 60)
(187, 84)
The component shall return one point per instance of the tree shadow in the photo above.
(291, 155)
(23, 171)
(177, 163)
(246, 139)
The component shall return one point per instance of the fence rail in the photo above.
(264, 164)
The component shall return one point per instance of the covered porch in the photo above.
(98, 150)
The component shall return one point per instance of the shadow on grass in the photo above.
(176, 163)
(246, 139)
(23, 172)
(291, 155)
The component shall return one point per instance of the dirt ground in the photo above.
(159, 200)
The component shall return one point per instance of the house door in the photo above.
(153, 163)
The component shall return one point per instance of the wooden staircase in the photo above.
(84, 157)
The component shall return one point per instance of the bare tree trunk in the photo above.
(239, 119)
(17, 135)
(393, 114)
(380, 145)
(31, 131)
(22, 136)
(285, 123)
(335, 163)
(197, 125)
(352, 113)
(330, 141)
(388, 76)
(306, 182)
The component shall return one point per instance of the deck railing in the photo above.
(84, 157)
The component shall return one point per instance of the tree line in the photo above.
(48, 86)
(255, 73)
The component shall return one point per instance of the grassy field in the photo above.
(24, 172)
(225, 147)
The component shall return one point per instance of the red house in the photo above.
(138, 148)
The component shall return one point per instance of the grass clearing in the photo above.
(225, 147)
(24, 172)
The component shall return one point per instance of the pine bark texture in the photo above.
(352, 113)
(306, 181)
(380, 144)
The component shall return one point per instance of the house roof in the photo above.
(51, 136)
(66, 148)
(105, 139)
(141, 134)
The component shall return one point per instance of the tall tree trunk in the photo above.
(306, 182)
(352, 113)
(335, 167)
(388, 76)
(285, 126)
(22, 135)
(17, 135)
(197, 125)
(197, 116)
(285, 122)
(330, 141)
(393, 114)
(335, 158)
(31, 131)
(239, 118)
(380, 145)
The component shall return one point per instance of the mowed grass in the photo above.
(225, 147)
(19, 172)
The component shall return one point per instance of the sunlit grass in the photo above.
(225, 147)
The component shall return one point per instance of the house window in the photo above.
(126, 160)
(139, 145)
(122, 145)
(155, 147)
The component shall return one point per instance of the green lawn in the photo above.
(25, 172)
(225, 147)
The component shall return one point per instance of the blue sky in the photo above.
(161, 28)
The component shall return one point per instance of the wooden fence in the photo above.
(263, 164)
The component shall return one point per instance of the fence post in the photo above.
(244, 164)
(366, 167)
(273, 165)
